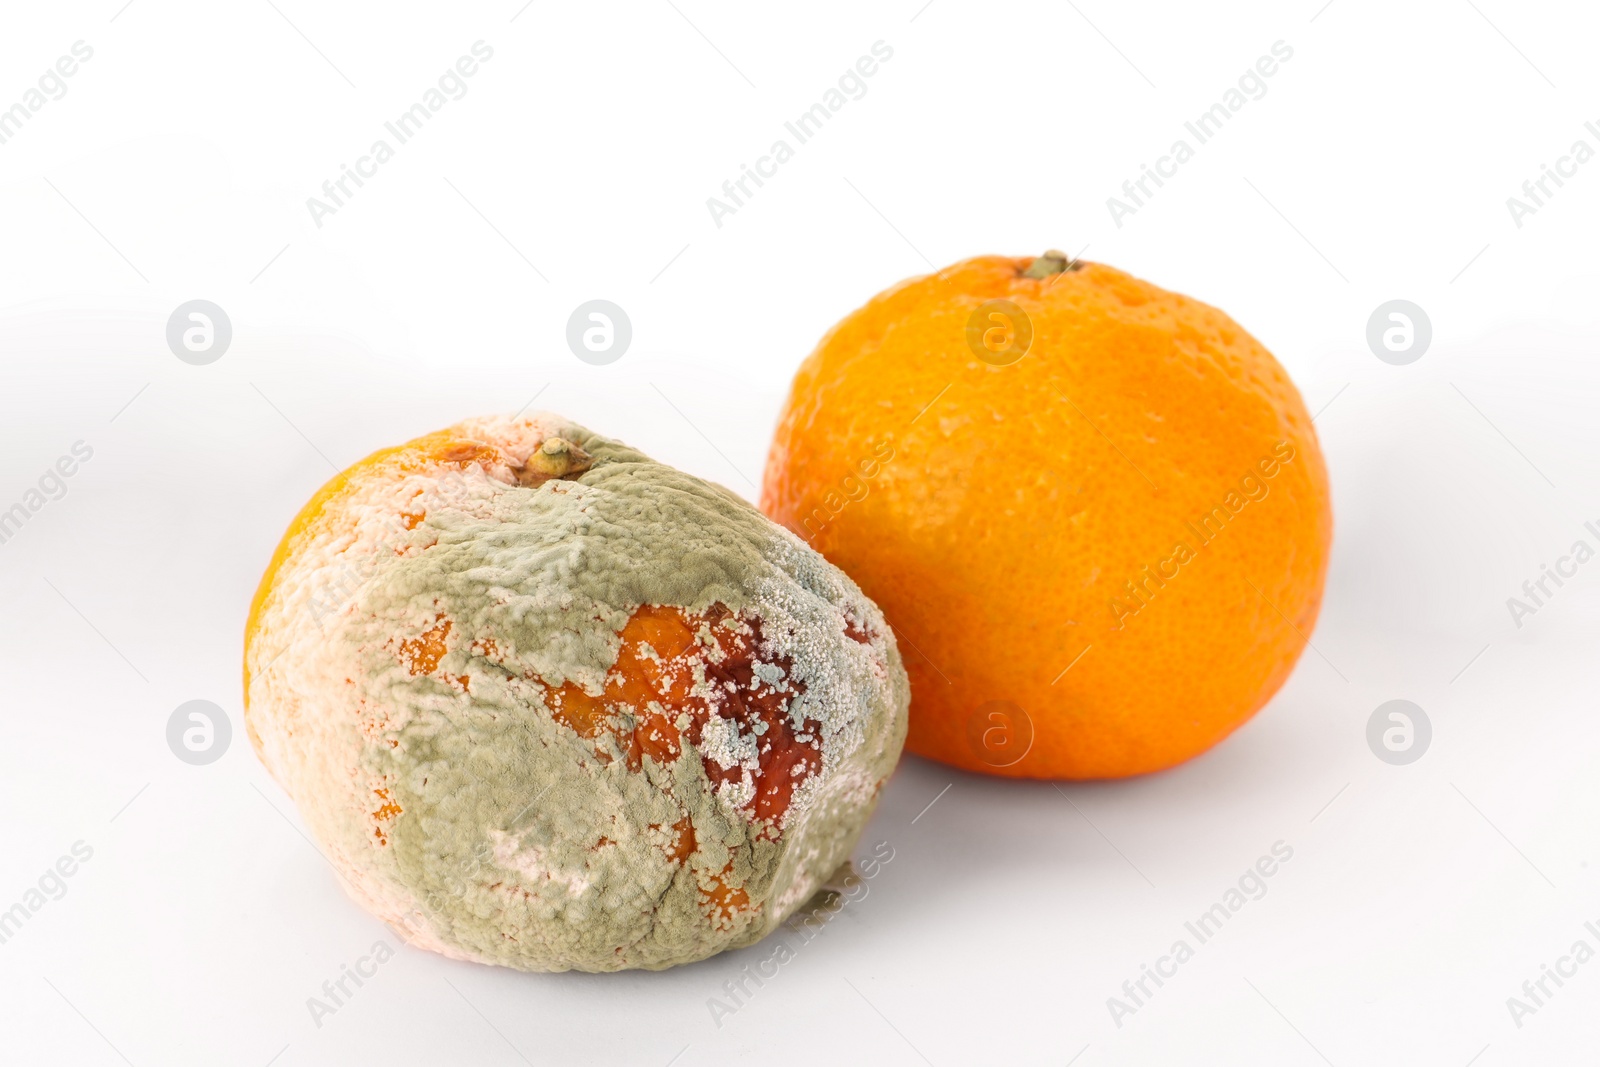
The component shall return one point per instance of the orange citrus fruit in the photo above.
(1093, 511)
(546, 703)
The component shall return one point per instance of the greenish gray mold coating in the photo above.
(503, 806)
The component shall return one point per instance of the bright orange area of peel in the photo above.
(683, 841)
(1017, 518)
(421, 655)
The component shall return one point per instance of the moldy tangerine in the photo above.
(549, 704)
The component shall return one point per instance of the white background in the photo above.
(178, 165)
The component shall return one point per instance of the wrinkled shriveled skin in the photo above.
(451, 668)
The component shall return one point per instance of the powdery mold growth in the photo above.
(549, 704)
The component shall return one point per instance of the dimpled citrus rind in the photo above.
(999, 509)
(450, 666)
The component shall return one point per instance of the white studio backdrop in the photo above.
(1378, 161)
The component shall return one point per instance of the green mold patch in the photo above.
(602, 716)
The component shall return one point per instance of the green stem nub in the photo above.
(1051, 264)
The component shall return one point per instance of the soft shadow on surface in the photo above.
(963, 843)
(1060, 842)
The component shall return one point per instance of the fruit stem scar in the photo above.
(554, 458)
(1051, 263)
